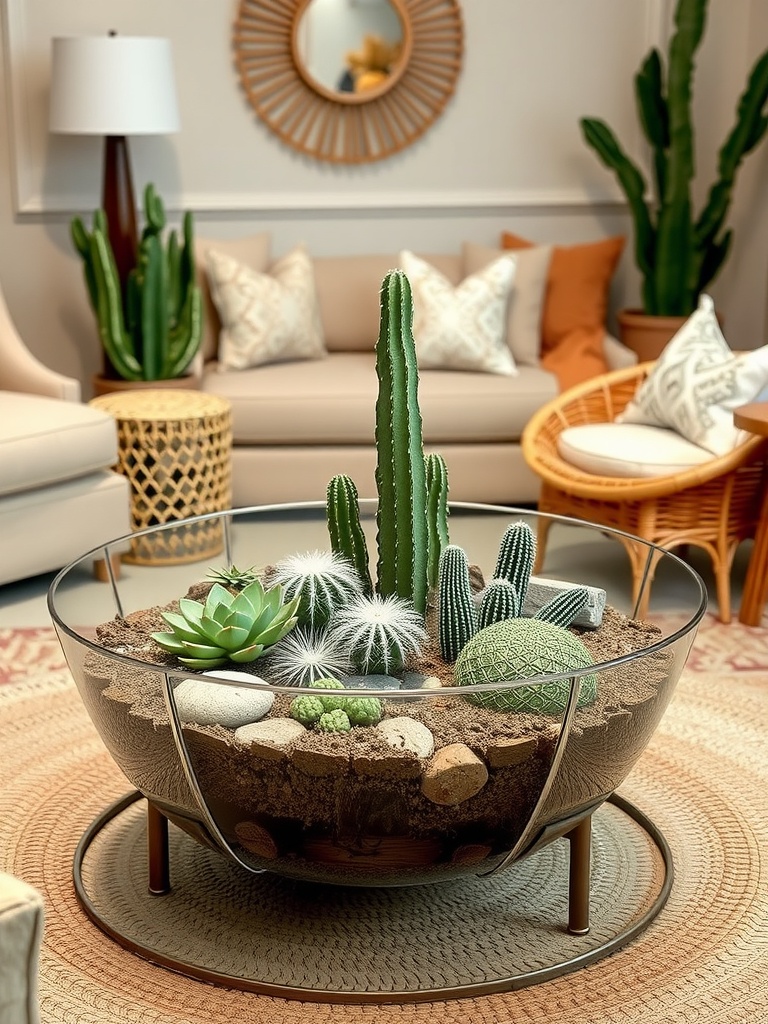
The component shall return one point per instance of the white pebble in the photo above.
(407, 734)
(206, 703)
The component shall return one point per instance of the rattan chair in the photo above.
(713, 506)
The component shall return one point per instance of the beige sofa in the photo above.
(296, 424)
(58, 495)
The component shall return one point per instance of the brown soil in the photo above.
(346, 806)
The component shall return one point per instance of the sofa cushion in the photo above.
(265, 318)
(575, 306)
(526, 302)
(253, 250)
(348, 290)
(333, 402)
(462, 327)
(45, 440)
(628, 450)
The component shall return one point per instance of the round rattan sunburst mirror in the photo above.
(320, 120)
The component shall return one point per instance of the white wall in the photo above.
(506, 153)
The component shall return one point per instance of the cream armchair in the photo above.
(58, 495)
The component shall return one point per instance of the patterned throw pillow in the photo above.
(526, 304)
(265, 318)
(697, 382)
(462, 328)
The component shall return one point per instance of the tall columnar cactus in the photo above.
(515, 560)
(499, 601)
(342, 510)
(156, 333)
(677, 253)
(437, 513)
(456, 613)
(401, 478)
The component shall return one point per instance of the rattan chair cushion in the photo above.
(628, 450)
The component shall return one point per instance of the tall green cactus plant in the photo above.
(401, 476)
(156, 332)
(677, 252)
(437, 513)
(412, 511)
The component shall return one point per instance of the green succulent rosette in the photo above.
(227, 627)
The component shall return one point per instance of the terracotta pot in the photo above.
(647, 335)
(108, 386)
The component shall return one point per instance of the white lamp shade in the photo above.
(113, 85)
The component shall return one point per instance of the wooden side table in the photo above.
(175, 448)
(754, 418)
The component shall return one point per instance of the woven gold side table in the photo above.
(175, 447)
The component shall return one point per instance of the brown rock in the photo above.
(470, 853)
(453, 775)
(256, 839)
(505, 752)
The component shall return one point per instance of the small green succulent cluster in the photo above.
(227, 627)
(332, 712)
(234, 578)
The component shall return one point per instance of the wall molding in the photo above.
(411, 203)
(30, 202)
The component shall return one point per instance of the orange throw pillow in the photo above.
(575, 307)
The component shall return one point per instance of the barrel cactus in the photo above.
(380, 633)
(227, 627)
(322, 580)
(519, 649)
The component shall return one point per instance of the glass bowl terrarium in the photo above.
(330, 759)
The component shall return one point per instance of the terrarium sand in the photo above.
(348, 806)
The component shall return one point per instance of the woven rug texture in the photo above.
(703, 781)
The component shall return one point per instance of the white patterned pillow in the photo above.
(462, 328)
(697, 382)
(265, 318)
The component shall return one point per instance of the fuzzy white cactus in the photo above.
(307, 655)
(379, 632)
(323, 580)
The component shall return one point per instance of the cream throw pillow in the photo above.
(697, 382)
(462, 328)
(527, 299)
(265, 318)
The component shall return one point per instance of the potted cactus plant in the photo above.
(151, 329)
(677, 250)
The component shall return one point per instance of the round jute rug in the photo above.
(703, 780)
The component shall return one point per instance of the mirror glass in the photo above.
(349, 46)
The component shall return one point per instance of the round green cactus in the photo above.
(307, 709)
(334, 721)
(518, 649)
(331, 702)
(363, 710)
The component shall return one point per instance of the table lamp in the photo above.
(114, 86)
